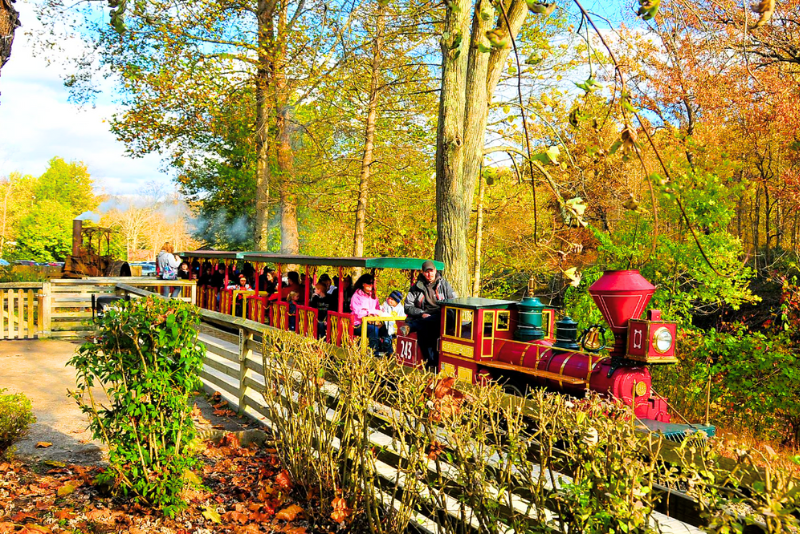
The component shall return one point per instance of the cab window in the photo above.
(466, 324)
(488, 323)
(451, 317)
(503, 320)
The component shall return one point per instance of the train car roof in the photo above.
(213, 254)
(363, 263)
(475, 303)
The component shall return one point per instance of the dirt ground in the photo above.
(38, 369)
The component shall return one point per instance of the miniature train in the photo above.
(517, 343)
(522, 343)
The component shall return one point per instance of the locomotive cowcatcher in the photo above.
(521, 344)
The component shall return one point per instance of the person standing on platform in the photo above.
(424, 311)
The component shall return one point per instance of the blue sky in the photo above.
(37, 123)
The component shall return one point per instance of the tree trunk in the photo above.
(290, 240)
(451, 207)
(476, 277)
(261, 230)
(767, 217)
(369, 138)
(9, 22)
(469, 77)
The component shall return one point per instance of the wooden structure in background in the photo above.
(62, 308)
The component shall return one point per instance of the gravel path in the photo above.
(38, 369)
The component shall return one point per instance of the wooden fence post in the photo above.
(45, 309)
(244, 353)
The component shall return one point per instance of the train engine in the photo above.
(521, 343)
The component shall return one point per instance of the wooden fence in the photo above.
(234, 366)
(20, 306)
(62, 308)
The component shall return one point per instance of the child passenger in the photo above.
(392, 306)
(293, 298)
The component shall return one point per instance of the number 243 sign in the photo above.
(407, 350)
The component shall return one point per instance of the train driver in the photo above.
(423, 311)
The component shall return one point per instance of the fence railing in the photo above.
(62, 308)
(20, 306)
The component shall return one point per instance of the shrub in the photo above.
(146, 359)
(15, 418)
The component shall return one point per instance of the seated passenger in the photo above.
(293, 281)
(322, 302)
(205, 278)
(363, 304)
(243, 285)
(218, 278)
(184, 271)
(423, 307)
(391, 306)
(292, 298)
(329, 285)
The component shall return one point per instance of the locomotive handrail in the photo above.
(375, 319)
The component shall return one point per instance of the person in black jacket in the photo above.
(323, 302)
(424, 310)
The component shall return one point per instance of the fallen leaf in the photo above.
(196, 412)
(64, 514)
(34, 529)
(95, 514)
(55, 463)
(66, 489)
(237, 517)
(43, 444)
(289, 513)
(283, 480)
(192, 478)
(340, 510)
(294, 530)
(20, 517)
(212, 515)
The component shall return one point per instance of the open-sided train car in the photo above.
(520, 344)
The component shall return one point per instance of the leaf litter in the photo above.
(242, 490)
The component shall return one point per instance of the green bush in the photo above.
(15, 418)
(146, 359)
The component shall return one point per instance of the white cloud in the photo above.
(37, 123)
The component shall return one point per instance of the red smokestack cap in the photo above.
(621, 295)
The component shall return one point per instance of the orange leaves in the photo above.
(340, 510)
(283, 481)
(43, 444)
(446, 400)
(289, 513)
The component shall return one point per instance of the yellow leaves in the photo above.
(573, 276)
(212, 515)
(633, 205)
(190, 477)
(66, 489)
(43, 444)
(765, 10)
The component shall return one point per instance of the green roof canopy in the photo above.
(474, 303)
(212, 254)
(363, 263)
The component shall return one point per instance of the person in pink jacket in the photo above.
(364, 304)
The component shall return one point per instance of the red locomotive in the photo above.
(521, 343)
